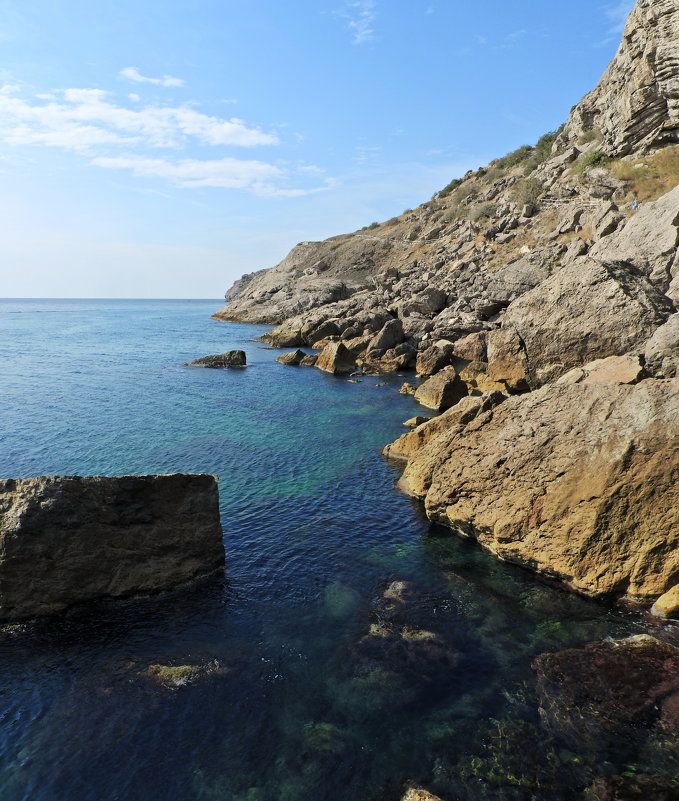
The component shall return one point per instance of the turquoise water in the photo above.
(295, 702)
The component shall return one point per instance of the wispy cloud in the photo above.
(257, 176)
(89, 122)
(81, 118)
(360, 17)
(133, 74)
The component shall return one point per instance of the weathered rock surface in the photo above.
(668, 604)
(336, 358)
(579, 482)
(627, 369)
(67, 539)
(584, 312)
(661, 352)
(418, 794)
(441, 391)
(294, 358)
(636, 104)
(607, 691)
(232, 358)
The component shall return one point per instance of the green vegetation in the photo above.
(593, 158)
(527, 191)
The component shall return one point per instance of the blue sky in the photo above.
(162, 148)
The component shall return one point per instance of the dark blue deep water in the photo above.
(294, 703)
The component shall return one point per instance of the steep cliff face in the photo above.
(635, 107)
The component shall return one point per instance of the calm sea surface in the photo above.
(295, 704)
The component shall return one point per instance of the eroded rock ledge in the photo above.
(68, 539)
(579, 482)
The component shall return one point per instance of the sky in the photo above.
(163, 148)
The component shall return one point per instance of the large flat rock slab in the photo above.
(68, 539)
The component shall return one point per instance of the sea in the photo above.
(349, 648)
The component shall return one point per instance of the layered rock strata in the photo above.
(68, 539)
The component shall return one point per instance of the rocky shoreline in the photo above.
(536, 299)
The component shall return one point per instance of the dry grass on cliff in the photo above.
(652, 176)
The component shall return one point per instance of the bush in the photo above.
(515, 157)
(448, 188)
(594, 158)
(482, 212)
(527, 191)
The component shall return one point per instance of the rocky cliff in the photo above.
(550, 277)
(67, 539)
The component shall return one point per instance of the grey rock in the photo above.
(69, 539)
(232, 358)
(662, 350)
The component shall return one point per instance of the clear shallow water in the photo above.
(301, 706)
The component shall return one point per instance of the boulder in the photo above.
(579, 482)
(608, 691)
(68, 539)
(232, 358)
(309, 360)
(418, 794)
(442, 390)
(507, 362)
(471, 348)
(336, 358)
(389, 336)
(662, 350)
(667, 605)
(294, 358)
(407, 389)
(414, 422)
(586, 311)
(433, 359)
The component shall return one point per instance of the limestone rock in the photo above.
(662, 350)
(432, 360)
(336, 358)
(607, 690)
(627, 369)
(636, 104)
(441, 391)
(294, 358)
(586, 311)
(579, 482)
(414, 422)
(309, 360)
(648, 241)
(390, 336)
(68, 539)
(668, 604)
(407, 389)
(471, 348)
(507, 361)
(418, 794)
(232, 358)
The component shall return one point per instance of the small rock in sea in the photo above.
(353, 381)
(418, 794)
(667, 606)
(407, 389)
(232, 358)
(178, 676)
(294, 358)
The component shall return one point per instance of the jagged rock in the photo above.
(668, 604)
(456, 417)
(336, 358)
(586, 311)
(507, 362)
(472, 347)
(627, 369)
(575, 481)
(418, 794)
(232, 358)
(68, 539)
(286, 335)
(407, 389)
(390, 336)
(414, 422)
(442, 390)
(519, 276)
(309, 360)
(662, 350)
(636, 104)
(609, 691)
(433, 359)
(293, 358)
(648, 241)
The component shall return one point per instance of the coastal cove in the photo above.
(349, 647)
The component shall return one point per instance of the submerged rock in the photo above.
(232, 358)
(174, 677)
(68, 539)
(418, 794)
(605, 692)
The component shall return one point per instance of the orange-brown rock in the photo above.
(336, 358)
(418, 794)
(507, 363)
(626, 369)
(442, 390)
(579, 482)
(668, 604)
